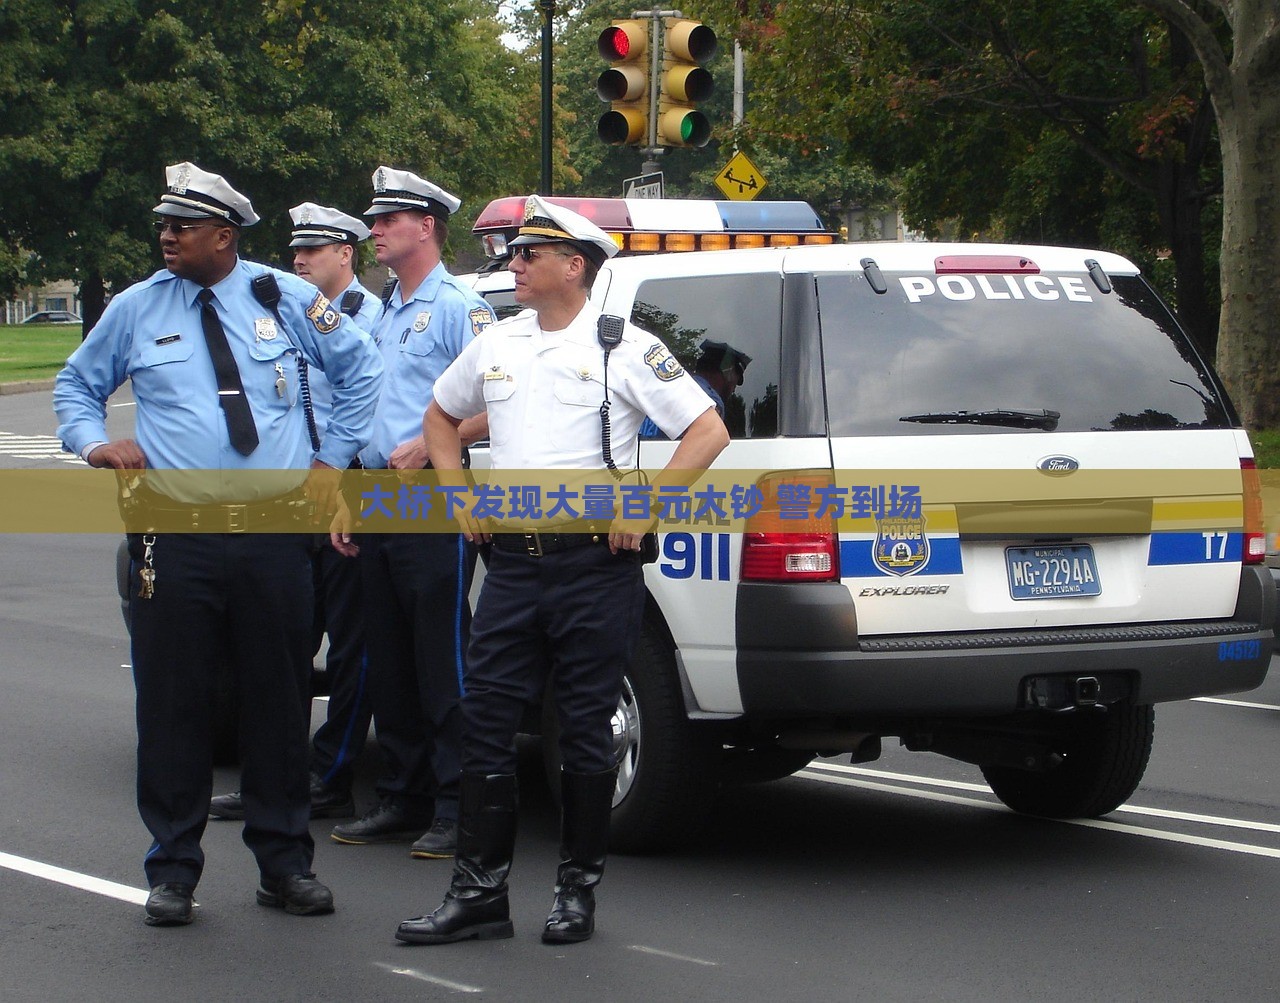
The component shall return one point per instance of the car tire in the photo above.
(1103, 759)
(667, 768)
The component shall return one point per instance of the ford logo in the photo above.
(1058, 464)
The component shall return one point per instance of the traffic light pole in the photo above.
(653, 151)
(548, 9)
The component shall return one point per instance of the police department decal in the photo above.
(323, 315)
(481, 317)
(421, 321)
(663, 363)
(901, 546)
(264, 329)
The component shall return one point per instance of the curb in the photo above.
(25, 386)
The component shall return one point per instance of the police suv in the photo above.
(1030, 513)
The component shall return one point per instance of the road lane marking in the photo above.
(435, 980)
(1237, 703)
(674, 957)
(85, 882)
(1180, 816)
(1088, 823)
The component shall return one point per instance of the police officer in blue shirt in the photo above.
(417, 617)
(326, 244)
(214, 371)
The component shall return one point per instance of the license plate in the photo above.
(1052, 572)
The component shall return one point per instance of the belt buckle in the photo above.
(236, 518)
(533, 544)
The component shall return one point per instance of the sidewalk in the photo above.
(25, 386)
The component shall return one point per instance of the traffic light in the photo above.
(689, 45)
(625, 85)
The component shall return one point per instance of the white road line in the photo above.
(413, 973)
(1237, 703)
(135, 896)
(1180, 816)
(1134, 830)
(674, 957)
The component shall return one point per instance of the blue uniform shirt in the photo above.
(151, 334)
(321, 389)
(418, 338)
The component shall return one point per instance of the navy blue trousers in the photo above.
(573, 617)
(417, 624)
(339, 610)
(246, 600)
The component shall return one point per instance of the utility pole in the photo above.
(548, 9)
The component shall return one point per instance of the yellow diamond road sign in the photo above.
(741, 180)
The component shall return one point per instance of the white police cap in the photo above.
(196, 194)
(545, 223)
(395, 190)
(316, 225)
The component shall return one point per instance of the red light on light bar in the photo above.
(989, 264)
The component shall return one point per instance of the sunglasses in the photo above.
(528, 253)
(161, 225)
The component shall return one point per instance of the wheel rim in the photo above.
(626, 740)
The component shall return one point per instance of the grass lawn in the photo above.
(35, 351)
(1266, 448)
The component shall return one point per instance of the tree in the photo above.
(1242, 73)
(291, 99)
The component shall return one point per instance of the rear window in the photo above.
(1026, 353)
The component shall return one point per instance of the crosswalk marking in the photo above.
(35, 447)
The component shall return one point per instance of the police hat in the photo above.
(722, 356)
(395, 190)
(197, 194)
(316, 225)
(545, 223)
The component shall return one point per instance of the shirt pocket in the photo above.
(274, 368)
(577, 421)
(161, 371)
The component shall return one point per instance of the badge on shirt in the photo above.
(264, 329)
(665, 366)
(481, 317)
(584, 374)
(322, 314)
(421, 321)
(494, 373)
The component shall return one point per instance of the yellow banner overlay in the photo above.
(989, 502)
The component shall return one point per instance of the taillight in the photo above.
(778, 548)
(1255, 537)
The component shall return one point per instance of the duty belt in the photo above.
(285, 513)
(538, 544)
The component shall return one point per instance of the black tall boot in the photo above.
(475, 906)
(586, 803)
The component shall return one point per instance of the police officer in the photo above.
(326, 244)
(564, 603)
(214, 372)
(417, 616)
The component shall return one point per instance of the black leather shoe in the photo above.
(228, 807)
(573, 915)
(330, 802)
(387, 823)
(296, 894)
(484, 917)
(170, 904)
(438, 842)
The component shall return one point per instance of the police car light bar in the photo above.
(647, 225)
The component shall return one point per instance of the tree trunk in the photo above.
(93, 300)
(1249, 338)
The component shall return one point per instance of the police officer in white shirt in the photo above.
(558, 607)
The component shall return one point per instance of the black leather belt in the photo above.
(278, 514)
(538, 544)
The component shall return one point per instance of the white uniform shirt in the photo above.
(543, 391)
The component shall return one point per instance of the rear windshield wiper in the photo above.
(1009, 418)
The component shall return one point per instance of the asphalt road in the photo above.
(901, 879)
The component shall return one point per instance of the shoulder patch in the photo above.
(322, 314)
(665, 366)
(481, 317)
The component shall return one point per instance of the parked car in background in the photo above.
(53, 317)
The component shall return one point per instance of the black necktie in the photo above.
(244, 434)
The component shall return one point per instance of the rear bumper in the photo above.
(799, 655)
